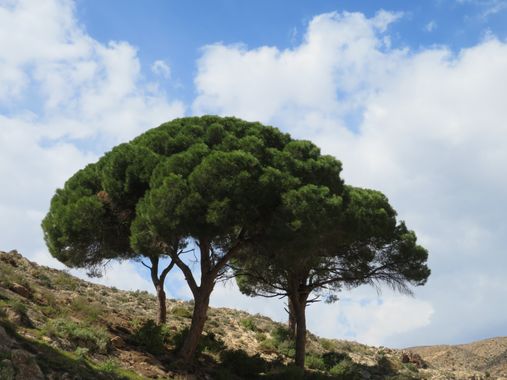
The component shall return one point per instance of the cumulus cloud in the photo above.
(427, 128)
(64, 99)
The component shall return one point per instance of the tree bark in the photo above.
(158, 282)
(201, 302)
(292, 319)
(299, 305)
(162, 311)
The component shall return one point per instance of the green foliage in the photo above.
(151, 337)
(280, 334)
(243, 365)
(91, 311)
(18, 306)
(287, 373)
(248, 324)
(181, 311)
(44, 280)
(332, 358)
(315, 362)
(411, 367)
(93, 338)
(346, 370)
(81, 353)
(7, 370)
(268, 346)
(66, 282)
(109, 365)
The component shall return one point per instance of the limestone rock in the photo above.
(117, 342)
(21, 290)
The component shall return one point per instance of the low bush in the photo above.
(181, 311)
(108, 365)
(333, 358)
(150, 336)
(93, 338)
(248, 324)
(287, 373)
(243, 365)
(346, 370)
(315, 362)
(91, 311)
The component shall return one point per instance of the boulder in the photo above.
(23, 291)
(26, 366)
(117, 342)
(413, 358)
(5, 340)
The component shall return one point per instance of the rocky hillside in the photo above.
(55, 326)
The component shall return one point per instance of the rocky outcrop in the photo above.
(409, 357)
(20, 364)
(26, 366)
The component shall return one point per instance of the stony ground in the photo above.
(55, 326)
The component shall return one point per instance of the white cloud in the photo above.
(64, 99)
(427, 128)
(430, 26)
(267, 83)
(161, 68)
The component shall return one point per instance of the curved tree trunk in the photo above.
(158, 282)
(199, 316)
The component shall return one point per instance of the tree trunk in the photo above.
(292, 319)
(300, 314)
(201, 302)
(162, 312)
(158, 282)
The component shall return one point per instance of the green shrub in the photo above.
(268, 346)
(411, 367)
(315, 362)
(210, 343)
(280, 334)
(151, 337)
(108, 365)
(81, 353)
(66, 282)
(243, 365)
(18, 306)
(333, 358)
(94, 338)
(44, 280)
(181, 311)
(248, 324)
(287, 373)
(327, 344)
(346, 370)
(91, 311)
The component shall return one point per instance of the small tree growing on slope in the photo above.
(89, 220)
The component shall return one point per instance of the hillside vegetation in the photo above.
(55, 326)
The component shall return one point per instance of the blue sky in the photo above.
(410, 96)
